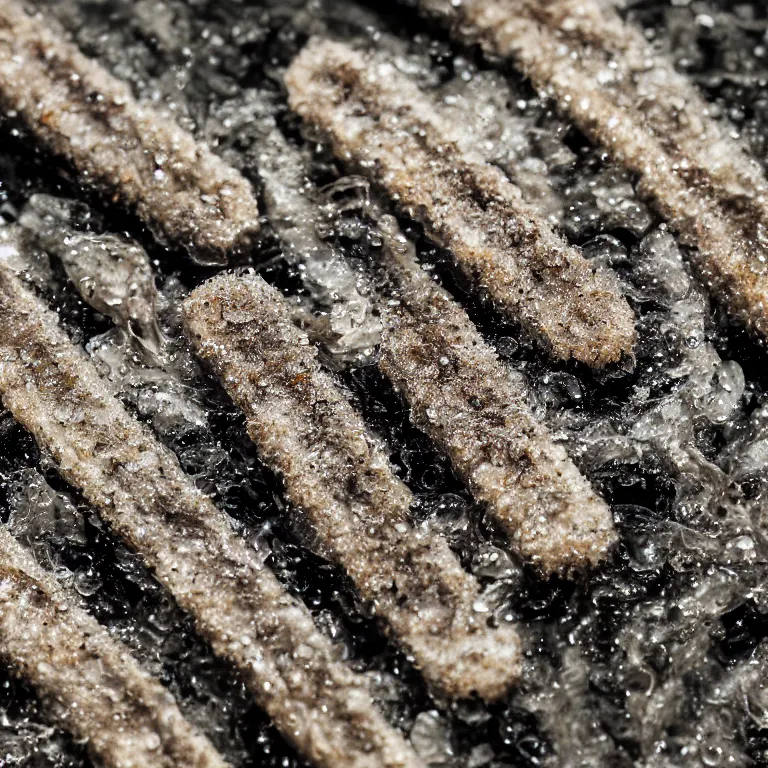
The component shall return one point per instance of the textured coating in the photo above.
(344, 490)
(128, 150)
(136, 484)
(463, 398)
(383, 126)
(650, 119)
(89, 682)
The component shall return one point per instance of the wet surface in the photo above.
(655, 658)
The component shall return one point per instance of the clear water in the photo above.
(655, 660)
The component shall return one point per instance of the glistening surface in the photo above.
(655, 658)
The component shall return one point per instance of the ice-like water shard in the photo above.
(111, 273)
(352, 330)
(89, 683)
(128, 150)
(380, 123)
(343, 488)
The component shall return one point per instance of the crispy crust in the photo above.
(464, 399)
(129, 151)
(343, 488)
(89, 682)
(378, 122)
(138, 487)
(649, 119)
